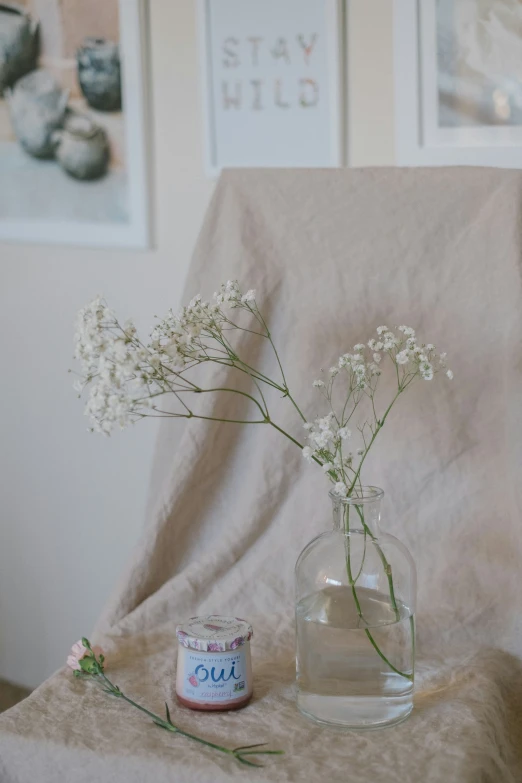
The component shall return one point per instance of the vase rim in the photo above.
(361, 495)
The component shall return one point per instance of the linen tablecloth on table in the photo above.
(332, 254)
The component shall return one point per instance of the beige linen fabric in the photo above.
(332, 255)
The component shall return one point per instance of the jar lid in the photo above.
(214, 633)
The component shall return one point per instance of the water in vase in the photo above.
(341, 678)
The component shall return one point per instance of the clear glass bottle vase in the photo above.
(355, 618)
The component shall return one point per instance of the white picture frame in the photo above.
(134, 230)
(239, 141)
(420, 138)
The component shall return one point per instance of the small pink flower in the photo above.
(79, 651)
(214, 647)
(237, 643)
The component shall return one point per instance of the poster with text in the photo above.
(271, 76)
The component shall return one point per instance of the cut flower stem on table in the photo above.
(88, 662)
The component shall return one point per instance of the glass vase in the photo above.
(355, 619)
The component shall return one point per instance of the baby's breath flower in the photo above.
(426, 371)
(390, 341)
(325, 422)
(308, 454)
(126, 376)
(230, 294)
(411, 359)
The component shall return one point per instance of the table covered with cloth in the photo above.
(331, 254)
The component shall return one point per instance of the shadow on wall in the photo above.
(11, 695)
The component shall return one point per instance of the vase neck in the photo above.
(360, 512)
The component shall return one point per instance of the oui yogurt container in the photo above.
(214, 664)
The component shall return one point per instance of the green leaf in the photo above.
(86, 643)
(168, 713)
(89, 665)
(247, 763)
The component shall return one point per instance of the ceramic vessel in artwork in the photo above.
(38, 106)
(82, 148)
(99, 73)
(18, 44)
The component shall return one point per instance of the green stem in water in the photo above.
(349, 563)
(387, 567)
(356, 598)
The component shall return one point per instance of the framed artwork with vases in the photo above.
(73, 124)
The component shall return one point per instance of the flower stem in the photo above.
(387, 567)
(279, 429)
(354, 591)
(237, 753)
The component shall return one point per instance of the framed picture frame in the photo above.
(87, 183)
(272, 75)
(457, 101)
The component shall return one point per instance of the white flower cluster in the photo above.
(403, 349)
(326, 439)
(113, 362)
(177, 339)
(124, 375)
(230, 293)
(419, 359)
(363, 367)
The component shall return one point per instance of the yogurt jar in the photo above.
(214, 664)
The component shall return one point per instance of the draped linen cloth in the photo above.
(332, 254)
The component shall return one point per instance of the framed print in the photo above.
(458, 79)
(271, 76)
(73, 146)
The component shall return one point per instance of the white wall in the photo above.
(71, 503)
(371, 133)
